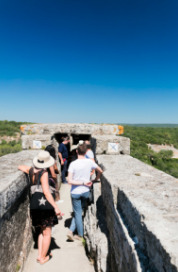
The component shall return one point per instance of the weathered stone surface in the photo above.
(147, 203)
(27, 140)
(107, 238)
(15, 235)
(96, 232)
(70, 128)
(99, 143)
(15, 226)
(102, 141)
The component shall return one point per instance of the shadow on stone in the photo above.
(152, 256)
(53, 244)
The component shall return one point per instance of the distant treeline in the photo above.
(10, 128)
(152, 125)
(142, 136)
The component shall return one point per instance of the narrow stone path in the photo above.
(67, 256)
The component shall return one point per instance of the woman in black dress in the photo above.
(46, 219)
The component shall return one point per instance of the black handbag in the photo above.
(38, 200)
(91, 196)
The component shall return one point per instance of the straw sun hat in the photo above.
(43, 160)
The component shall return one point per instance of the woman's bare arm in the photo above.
(52, 170)
(99, 172)
(24, 168)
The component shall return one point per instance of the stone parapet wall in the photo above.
(38, 136)
(15, 225)
(70, 128)
(138, 220)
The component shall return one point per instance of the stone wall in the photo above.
(40, 135)
(15, 225)
(132, 226)
(50, 129)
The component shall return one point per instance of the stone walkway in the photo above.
(67, 256)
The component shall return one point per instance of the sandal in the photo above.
(46, 259)
(70, 235)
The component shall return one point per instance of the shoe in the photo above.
(50, 256)
(45, 260)
(79, 238)
(70, 235)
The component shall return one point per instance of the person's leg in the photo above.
(71, 229)
(64, 169)
(77, 208)
(73, 225)
(40, 242)
(84, 198)
(45, 244)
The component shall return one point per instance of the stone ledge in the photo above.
(83, 128)
(15, 223)
(12, 181)
(147, 202)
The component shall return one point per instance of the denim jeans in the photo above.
(63, 172)
(78, 202)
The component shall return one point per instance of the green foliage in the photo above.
(11, 147)
(10, 128)
(142, 136)
(150, 135)
(18, 267)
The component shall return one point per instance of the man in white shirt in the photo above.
(79, 177)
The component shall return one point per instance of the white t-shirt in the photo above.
(81, 169)
(89, 154)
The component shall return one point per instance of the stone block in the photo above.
(103, 144)
(51, 129)
(28, 141)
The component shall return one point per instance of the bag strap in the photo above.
(28, 184)
(39, 176)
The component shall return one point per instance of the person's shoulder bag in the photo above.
(38, 200)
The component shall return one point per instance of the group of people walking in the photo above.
(45, 192)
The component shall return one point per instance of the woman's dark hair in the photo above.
(51, 150)
(88, 146)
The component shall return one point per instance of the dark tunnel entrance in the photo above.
(72, 145)
(77, 137)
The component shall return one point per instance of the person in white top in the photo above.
(89, 154)
(79, 177)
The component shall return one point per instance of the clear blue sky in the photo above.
(89, 61)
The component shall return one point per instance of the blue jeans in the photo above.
(78, 202)
(63, 172)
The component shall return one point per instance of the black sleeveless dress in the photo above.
(46, 218)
